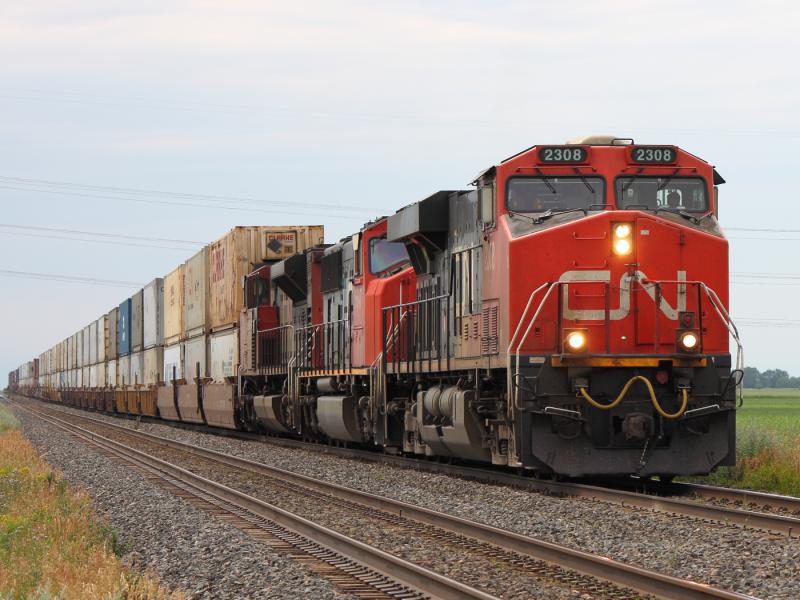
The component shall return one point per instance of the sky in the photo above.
(178, 120)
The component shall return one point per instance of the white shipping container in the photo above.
(195, 289)
(102, 339)
(153, 306)
(93, 376)
(111, 379)
(101, 375)
(124, 371)
(93, 343)
(224, 351)
(173, 357)
(137, 369)
(195, 352)
(78, 350)
(153, 365)
(79, 377)
(86, 347)
(86, 380)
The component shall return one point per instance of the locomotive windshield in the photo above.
(662, 193)
(383, 255)
(539, 194)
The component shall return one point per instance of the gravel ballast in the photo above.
(746, 561)
(188, 549)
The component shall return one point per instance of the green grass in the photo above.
(7, 419)
(768, 443)
(51, 546)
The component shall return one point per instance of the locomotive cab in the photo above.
(618, 352)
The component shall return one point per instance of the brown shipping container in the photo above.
(173, 306)
(233, 256)
(195, 287)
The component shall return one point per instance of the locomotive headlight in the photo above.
(622, 247)
(689, 341)
(623, 230)
(576, 341)
(621, 242)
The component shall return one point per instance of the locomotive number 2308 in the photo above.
(562, 154)
(653, 154)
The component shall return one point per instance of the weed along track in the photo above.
(490, 561)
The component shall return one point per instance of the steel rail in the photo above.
(392, 567)
(618, 573)
(711, 492)
(782, 524)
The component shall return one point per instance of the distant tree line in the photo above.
(771, 378)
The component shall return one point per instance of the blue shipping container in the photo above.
(124, 328)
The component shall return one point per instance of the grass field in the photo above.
(51, 546)
(768, 443)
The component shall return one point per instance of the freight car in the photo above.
(568, 315)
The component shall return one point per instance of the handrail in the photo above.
(513, 391)
(415, 302)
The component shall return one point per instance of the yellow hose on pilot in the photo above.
(684, 398)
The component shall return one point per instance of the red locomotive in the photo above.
(568, 315)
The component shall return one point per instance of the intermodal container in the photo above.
(101, 375)
(224, 352)
(102, 339)
(79, 350)
(111, 320)
(195, 288)
(137, 320)
(153, 314)
(124, 371)
(137, 368)
(235, 254)
(195, 354)
(111, 377)
(87, 346)
(173, 306)
(173, 358)
(152, 365)
(124, 342)
(93, 337)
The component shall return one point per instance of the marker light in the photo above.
(622, 247)
(576, 341)
(689, 341)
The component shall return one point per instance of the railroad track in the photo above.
(672, 498)
(528, 553)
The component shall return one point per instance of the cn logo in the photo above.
(626, 283)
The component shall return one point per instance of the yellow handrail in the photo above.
(684, 393)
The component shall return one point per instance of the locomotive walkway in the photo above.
(521, 556)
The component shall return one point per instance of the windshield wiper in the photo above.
(514, 213)
(584, 180)
(631, 180)
(679, 211)
(550, 213)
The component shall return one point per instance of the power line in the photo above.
(762, 229)
(108, 242)
(101, 234)
(69, 278)
(235, 200)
